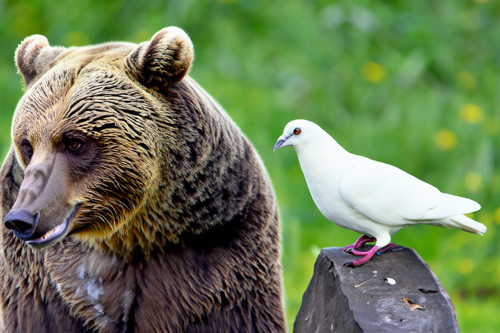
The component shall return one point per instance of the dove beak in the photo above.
(280, 142)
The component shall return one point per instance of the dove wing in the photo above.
(391, 196)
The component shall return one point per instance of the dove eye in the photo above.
(297, 131)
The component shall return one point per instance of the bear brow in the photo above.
(47, 92)
(107, 114)
(105, 91)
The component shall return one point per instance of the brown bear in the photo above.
(131, 201)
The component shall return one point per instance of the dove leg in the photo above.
(363, 260)
(385, 248)
(379, 252)
(359, 243)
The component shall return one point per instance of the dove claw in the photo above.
(349, 264)
(347, 249)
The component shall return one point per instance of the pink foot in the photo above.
(367, 256)
(359, 253)
(359, 243)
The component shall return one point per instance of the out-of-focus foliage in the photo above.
(411, 83)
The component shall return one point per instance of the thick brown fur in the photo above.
(178, 228)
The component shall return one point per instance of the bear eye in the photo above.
(74, 144)
(297, 131)
(26, 148)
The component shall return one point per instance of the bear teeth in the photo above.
(52, 232)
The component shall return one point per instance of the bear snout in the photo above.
(22, 223)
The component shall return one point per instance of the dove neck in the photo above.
(320, 148)
(323, 165)
(322, 156)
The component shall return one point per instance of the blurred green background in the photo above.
(410, 83)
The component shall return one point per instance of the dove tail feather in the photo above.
(464, 223)
(451, 205)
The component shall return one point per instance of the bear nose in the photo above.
(22, 222)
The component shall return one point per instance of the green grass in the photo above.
(411, 83)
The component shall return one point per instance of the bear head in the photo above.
(117, 149)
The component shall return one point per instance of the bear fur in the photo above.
(173, 223)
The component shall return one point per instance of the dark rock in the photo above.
(393, 292)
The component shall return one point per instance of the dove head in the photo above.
(302, 133)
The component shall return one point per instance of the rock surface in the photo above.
(393, 292)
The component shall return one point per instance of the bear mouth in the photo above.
(55, 234)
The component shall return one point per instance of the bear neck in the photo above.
(140, 237)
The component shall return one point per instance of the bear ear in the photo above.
(33, 55)
(163, 61)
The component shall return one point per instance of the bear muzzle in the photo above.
(24, 225)
(43, 212)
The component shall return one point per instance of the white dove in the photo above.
(370, 197)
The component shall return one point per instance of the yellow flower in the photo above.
(471, 113)
(373, 72)
(465, 266)
(445, 139)
(473, 181)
